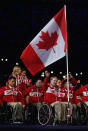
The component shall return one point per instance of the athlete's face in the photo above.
(59, 83)
(39, 84)
(53, 82)
(12, 82)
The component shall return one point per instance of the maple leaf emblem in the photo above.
(48, 41)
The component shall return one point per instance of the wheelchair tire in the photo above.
(82, 114)
(30, 114)
(45, 114)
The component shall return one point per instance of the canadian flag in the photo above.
(48, 46)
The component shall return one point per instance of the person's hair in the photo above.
(23, 69)
(77, 86)
(53, 78)
(12, 77)
(65, 81)
(38, 79)
(15, 68)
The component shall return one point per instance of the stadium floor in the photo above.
(39, 127)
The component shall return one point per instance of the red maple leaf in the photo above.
(48, 41)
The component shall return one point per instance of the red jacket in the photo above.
(83, 92)
(46, 84)
(64, 94)
(73, 81)
(20, 83)
(35, 94)
(8, 94)
(58, 94)
(76, 98)
(50, 95)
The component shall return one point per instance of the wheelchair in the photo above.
(30, 114)
(46, 114)
(82, 114)
(43, 116)
(6, 114)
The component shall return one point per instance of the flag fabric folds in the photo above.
(48, 46)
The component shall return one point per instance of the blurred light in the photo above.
(51, 72)
(69, 72)
(60, 72)
(2, 59)
(17, 63)
(63, 76)
(76, 74)
(81, 73)
(6, 59)
(42, 75)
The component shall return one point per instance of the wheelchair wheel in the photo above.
(45, 114)
(9, 114)
(82, 114)
(30, 114)
(6, 114)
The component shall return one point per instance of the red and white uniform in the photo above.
(46, 84)
(76, 97)
(10, 94)
(73, 81)
(60, 95)
(35, 94)
(83, 92)
(50, 95)
(20, 82)
(64, 95)
(26, 81)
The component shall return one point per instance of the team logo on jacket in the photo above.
(85, 93)
(35, 94)
(9, 92)
(51, 90)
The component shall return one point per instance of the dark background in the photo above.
(21, 21)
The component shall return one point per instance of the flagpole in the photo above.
(67, 63)
(67, 75)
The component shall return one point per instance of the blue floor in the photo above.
(43, 127)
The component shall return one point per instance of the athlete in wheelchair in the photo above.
(49, 101)
(11, 101)
(34, 97)
(57, 104)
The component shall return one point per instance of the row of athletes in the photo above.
(19, 92)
